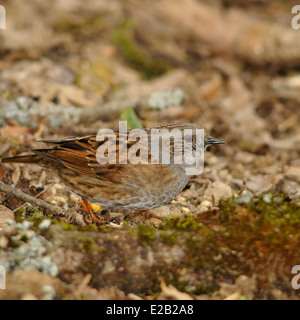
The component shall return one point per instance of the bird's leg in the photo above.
(88, 208)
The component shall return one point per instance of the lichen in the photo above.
(27, 111)
(26, 249)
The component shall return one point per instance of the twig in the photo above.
(39, 194)
(32, 200)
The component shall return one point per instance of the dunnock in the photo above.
(139, 186)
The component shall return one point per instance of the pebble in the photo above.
(154, 222)
(267, 198)
(45, 224)
(217, 191)
(166, 211)
(205, 206)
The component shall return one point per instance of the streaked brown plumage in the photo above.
(125, 186)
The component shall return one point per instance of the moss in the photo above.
(65, 225)
(87, 266)
(146, 234)
(87, 245)
(37, 214)
(181, 224)
(201, 247)
(235, 238)
(107, 229)
(36, 217)
(169, 238)
(30, 214)
(89, 227)
(20, 214)
(269, 209)
(201, 289)
(137, 57)
(251, 238)
(104, 250)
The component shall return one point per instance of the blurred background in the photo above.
(72, 67)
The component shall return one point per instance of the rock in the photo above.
(205, 206)
(154, 222)
(290, 183)
(30, 285)
(29, 296)
(217, 191)
(166, 211)
(133, 296)
(293, 173)
(290, 188)
(243, 286)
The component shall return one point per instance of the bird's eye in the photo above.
(188, 138)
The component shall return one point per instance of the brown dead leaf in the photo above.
(39, 132)
(11, 122)
(4, 148)
(13, 131)
(2, 172)
(17, 131)
(16, 174)
(71, 95)
(233, 296)
(5, 214)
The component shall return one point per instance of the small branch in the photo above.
(39, 194)
(32, 200)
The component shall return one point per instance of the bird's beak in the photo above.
(212, 140)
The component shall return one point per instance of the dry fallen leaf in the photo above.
(13, 131)
(16, 173)
(5, 214)
(2, 172)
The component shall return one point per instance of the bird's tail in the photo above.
(32, 158)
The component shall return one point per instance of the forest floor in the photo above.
(72, 68)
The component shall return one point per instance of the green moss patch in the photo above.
(138, 58)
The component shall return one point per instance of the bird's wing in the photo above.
(91, 156)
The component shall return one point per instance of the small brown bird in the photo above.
(139, 186)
